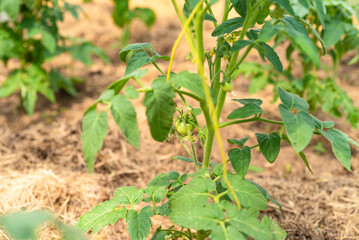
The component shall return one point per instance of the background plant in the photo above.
(334, 22)
(123, 16)
(27, 225)
(211, 201)
(29, 32)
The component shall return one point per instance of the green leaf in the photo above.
(271, 55)
(228, 26)
(266, 194)
(240, 142)
(299, 128)
(100, 216)
(299, 37)
(128, 195)
(29, 97)
(226, 233)
(94, 130)
(246, 101)
(30, 3)
(107, 95)
(245, 111)
(340, 146)
(163, 210)
(191, 81)
(192, 195)
(293, 24)
(199, 218)
(125, 117)
(267, 32)
(11, 84)
(304, 158)
(82, 51)
(6, 44)
(247, 223)
(69, 232)
(60, 81)
(315, 33)
(240, 159)
(185, 159)
(49, 41)
(269, 145)
(72, 8)
(139, 224)
(11, 7)
(25, 225)
(160, 109)
(156, 189)
(286, 5)
(33, 27)
(137, 60)
(146, 15)
(240, 6)
(133, 47)
(121, 13)
(277, 232)
(321, 11)
(119, 84)
(238, 45)
(290, 100)
(173, 175)
(131, 92)
(349, 139)
(333, 32)
(247, 193)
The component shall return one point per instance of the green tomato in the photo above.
(227, 86)
(181, 127)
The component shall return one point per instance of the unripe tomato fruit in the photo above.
(227, 86)
(181, 127)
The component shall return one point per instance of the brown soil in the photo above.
(42, 166)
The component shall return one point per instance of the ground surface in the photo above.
(42, 166)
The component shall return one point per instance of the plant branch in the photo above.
(254, 119)
(176, 231)
(158, 68)
(192, 95)
(184, 29)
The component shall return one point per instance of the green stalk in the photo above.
(222, 94)
(192, 95)
(176, 231)
(218, 60)
(248, 49)
(254, 119)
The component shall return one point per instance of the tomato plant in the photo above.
(335, 26)
(28, 225)
(29, 32)
(123, 16)
(211, 202)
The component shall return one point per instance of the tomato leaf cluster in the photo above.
(337, 35)
(211, 202)
(26, 225)
(123, 16)
(29, 32)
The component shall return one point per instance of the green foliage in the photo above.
(94, 130)
(269, 145)
(211, 202)
(29, 32)
(160, 108)
(123, 16)
(337, 34)
(26, 225)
